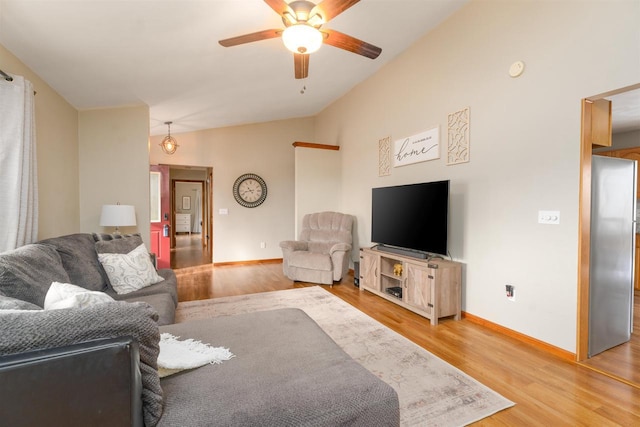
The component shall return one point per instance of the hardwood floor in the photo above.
(622, 362)
(189, 251)
(547, 390)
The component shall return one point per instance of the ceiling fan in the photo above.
(303, 36)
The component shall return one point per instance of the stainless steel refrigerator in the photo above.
(613, 216)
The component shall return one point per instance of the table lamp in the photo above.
(118, 216)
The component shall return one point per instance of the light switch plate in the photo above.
(549, 217)
(223, 211)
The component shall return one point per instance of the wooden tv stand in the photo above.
(430, 288)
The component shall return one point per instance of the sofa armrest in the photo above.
(98, 382)
(293, 245)
(40, 330)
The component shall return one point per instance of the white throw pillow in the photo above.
(130, 272)
(66, 295)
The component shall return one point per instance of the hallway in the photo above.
(189, 251)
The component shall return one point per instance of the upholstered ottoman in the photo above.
(286, 372)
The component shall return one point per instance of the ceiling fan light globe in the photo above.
(302, 38)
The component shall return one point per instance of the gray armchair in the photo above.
(321, 255)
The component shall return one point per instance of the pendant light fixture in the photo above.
(169, 143)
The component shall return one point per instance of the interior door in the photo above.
(160, 215)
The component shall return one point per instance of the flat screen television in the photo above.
(413, 217)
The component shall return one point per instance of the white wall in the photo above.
(525, 135)
(114, 166)
(189, 189)
(57, 153)
(264, 149)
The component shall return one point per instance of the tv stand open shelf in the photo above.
(430, 288)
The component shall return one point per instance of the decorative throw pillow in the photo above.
(66, 295)
(130, 272)
(27, 272)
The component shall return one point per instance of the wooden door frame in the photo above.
(584, 223)
(584, 234)
(206, 204)
(209, 198)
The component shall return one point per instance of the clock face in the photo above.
(250, 190)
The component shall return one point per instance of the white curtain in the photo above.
(18, 174)
(196, 227)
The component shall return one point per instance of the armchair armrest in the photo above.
(342, 247)
(294, 245)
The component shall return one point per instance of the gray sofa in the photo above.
(27, 272)
(286, 370)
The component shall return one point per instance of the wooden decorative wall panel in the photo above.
(458, 137)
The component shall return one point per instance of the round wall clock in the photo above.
(250, 190)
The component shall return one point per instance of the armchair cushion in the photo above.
(310, 260)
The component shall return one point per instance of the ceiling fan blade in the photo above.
(279, 6)
(329, 9)
(301, 65)
(352, 44)
(253, 37)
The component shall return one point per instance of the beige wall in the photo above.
(525, 135)
(318, 182)
(57, 153)
(114, 165)
(264, 149)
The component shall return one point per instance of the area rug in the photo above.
(431, 391)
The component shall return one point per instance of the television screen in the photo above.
(411, 216)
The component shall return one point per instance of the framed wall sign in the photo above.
(186, 203)
(417, 148)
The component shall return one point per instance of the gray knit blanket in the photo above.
(25, 331)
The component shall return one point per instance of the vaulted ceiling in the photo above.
(165, 54)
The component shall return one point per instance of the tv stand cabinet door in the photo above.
(369, 271)
(419, 288)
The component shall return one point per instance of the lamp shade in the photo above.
(118, 216)
(302, 38)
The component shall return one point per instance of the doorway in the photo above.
(623, 361)
(191, 230)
